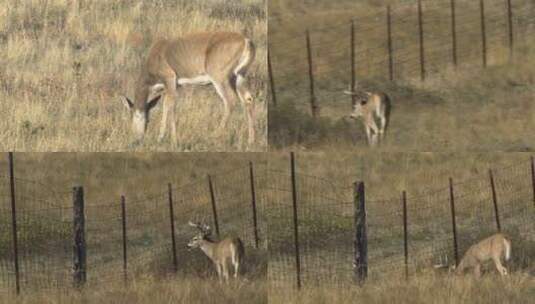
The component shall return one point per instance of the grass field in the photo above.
(67, 64)
(468, 109)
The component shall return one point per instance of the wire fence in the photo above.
(319, 243)
(321, 231)
(409, 41)
(148, 237)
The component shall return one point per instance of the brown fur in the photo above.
(492, 248)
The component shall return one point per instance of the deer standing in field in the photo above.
(218, 58)
(220, 253)
(371, 106)
(495, 248)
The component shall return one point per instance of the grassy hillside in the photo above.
(67, 64)
(463, 109)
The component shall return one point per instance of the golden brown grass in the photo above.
(66, 64)
(470, 109)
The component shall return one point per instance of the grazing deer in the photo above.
(371, 106)
(492, 248)
(220, 253)
(218, 58)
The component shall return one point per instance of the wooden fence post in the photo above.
(214, 207)
(495, 201)
(253, 204)
(389, 43)
(405, 235)
(172, 220)
(313, 104)
(510, 28)
(14, 222)
(422, 47)
(123, 218)
(453, 224)
(79, 254)
(295, 221)
(271, 81)
(361, 234)
(483, 32)
(454, 33)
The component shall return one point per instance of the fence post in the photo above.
(454, 33)
(79, 254)
(352, 54)
(14, 222)
(422, 47)
(495, 201)
(361, 236)
(313, 105)
(453, 224)
(295, 220)
(510, 27)
(405, 235)
(271, 81)
(214, 208)
(533, 178)
(389, 43)
(123, 218)
(172, 220)
(483, 32)
(253, 203)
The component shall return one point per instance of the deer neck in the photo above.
(208, 247)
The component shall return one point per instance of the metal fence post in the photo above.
(454, 33)
(483, 32)
(533, 178)
(214, 208)
(253, 204)
(14, 222)
(405, 235)
(313, 103)
(389, 43)
(361, 236)
(123, 218)
(422, 47)
(510, 28)
(495, 201)
(352, 59)
(271, 81)
(79, 247)
(453, 224)
(172, 220)
(295, 221)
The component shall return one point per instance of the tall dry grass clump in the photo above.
(67, 63)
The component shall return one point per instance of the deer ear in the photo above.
(127, 102)
(153, 102)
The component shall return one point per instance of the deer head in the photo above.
(144, 102)
(204, 232)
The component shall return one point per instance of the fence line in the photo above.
(417, 41)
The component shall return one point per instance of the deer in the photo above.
(495, 248)
(219, 252)
(221, 59)
(370, 106)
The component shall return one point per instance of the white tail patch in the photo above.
(246, 57)
(507, 245)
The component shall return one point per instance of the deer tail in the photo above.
(507, 245)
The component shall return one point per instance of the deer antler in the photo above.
(203, 228)
(443, 263)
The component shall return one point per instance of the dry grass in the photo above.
(67, 63)
(427, 288)
(149, 290)
(464, 110)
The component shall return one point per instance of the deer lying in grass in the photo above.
(218, 58)
(220, 253)
(495, 248)
(371, 106)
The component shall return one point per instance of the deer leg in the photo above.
(219, 274)
(477, 271)
(225, 270)
(236, 264)
(382, 127)
(368, 134)
(228, 96)
(163, 123)
(168, 105)
(502, 270)
(247, 101)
